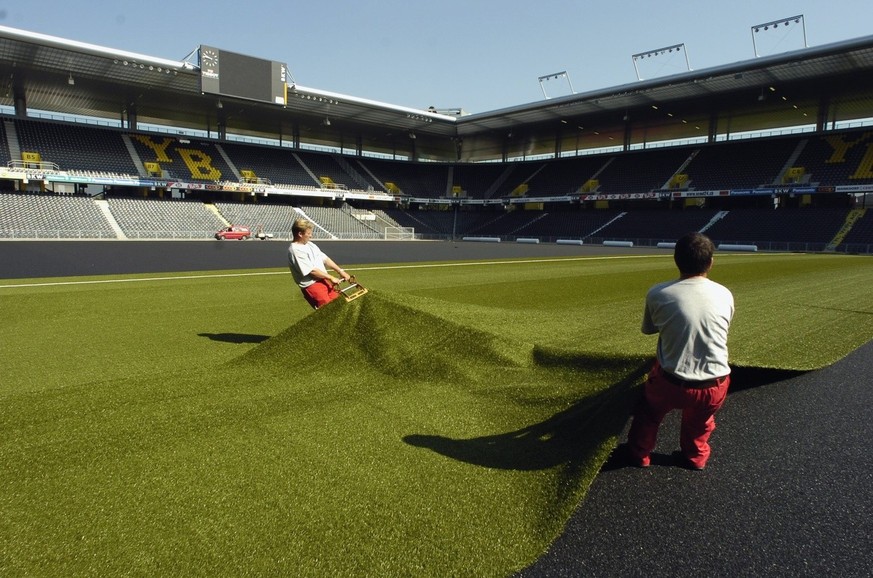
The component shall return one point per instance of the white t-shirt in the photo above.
(691, 317)
(302, 259)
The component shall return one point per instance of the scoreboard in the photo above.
(228, 73)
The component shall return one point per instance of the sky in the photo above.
(477, 55)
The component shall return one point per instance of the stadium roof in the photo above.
(815, 86)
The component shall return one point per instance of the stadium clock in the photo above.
(209, 61)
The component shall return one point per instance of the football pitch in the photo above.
(447, 423)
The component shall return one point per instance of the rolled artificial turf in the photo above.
(441, 425)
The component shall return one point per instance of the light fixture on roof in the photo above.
(220, 104)
(555, 76)
(759, 29)
(660, 52)
(326, 121)
(71, 81)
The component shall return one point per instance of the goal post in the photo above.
(399, 233)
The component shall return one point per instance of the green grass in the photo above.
(445, 424)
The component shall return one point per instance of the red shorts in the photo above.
(320, 293)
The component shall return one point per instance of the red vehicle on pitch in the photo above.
(242, 233)
(234, 232)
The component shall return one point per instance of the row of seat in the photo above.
(70, 216)
(51, 216)
(27, 215)
(827, 159)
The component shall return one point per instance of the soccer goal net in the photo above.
(399, 233)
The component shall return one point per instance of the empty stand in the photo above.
(779, 229)
(860, 238)
(47, 216)
(740, 164)
(806, 219)
(480, 181)
(5, 156)
(340, 224)
(184, 158)
(838, 158)
(274, 219)
(75, 146)
(412, 178)
(651, 227)
(164, 219)
(560, 177)
(278, 166)
(568, 224)
(641, 171)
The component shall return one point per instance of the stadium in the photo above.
(164, 416)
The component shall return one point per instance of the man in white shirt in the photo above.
(309, 267)
(691, 316)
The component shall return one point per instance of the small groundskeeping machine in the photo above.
(351, 289)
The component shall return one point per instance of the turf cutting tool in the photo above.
(352, 289)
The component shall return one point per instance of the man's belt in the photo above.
(690, 384)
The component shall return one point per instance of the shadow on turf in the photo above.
(235, 337)
(569, 437)
(572, 436)
(751, 377)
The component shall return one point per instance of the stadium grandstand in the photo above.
(774, 153)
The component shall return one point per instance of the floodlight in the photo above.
(775, 26)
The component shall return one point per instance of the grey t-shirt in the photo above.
(302, 259)
(691, 317)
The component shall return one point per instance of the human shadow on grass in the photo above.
(569, 437)
(742, 378)
(235, 337)
(574, 435)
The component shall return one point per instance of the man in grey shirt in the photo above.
(691, 316)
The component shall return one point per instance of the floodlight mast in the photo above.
(658, 52)
(775, 24)
(555, 76)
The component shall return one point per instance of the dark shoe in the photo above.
(683, 462)
(632, 460)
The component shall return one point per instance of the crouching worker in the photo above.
(691, 316)
(309, 267)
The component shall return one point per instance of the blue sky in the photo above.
(479, 55)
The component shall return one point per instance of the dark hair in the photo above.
(693, 254)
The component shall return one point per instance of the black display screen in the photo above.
(231, 74)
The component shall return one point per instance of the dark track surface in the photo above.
(31, 259)
(787, 491)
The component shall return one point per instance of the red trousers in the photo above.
(660, 396)
(320, 293)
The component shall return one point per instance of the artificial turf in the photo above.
(445, 424)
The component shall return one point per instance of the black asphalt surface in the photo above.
(787, 492)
